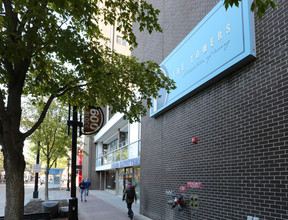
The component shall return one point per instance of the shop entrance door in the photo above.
(127, 177)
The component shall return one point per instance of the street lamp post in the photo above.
(35, 193)
(68, 164)
(73, 201)
(95, 125)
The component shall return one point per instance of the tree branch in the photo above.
(53, 162)
(46, 107)
(41, 118)
(53, 148)
(11, 15)
(63, 91)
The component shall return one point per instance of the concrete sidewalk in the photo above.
(100, 204)
(105, 205)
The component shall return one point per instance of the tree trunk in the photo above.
(14, 165)
(47, 179)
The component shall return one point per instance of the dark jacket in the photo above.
(128, 200)
(82, 185)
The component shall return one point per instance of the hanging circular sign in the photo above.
(93, 120)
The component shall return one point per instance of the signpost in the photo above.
(37, 168)
(73, 201)
(93, 121)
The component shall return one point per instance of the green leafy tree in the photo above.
(37, 40)
(50, 138)
(260, 5)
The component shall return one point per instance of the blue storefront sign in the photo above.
(220, 43)
(126, 163)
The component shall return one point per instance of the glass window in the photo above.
(128, 178)
(118, 155)
(110, 158)
(134, 132)
(124, 153)
(112, 145)
(105, 160)
(129, 170)
(120, 182)
(137, 181)
(99, 161)
(56, 179)
(121, 41)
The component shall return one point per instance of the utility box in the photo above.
(194, 201)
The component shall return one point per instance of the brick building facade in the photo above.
(241, 122)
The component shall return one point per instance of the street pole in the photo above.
(68, 164)
(73, 201)
(36, 193)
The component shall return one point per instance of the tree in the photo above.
(1, 158)
(37, 40)
(260, 5)
(51, 138)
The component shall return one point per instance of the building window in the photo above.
(111, 147)
(121, 41)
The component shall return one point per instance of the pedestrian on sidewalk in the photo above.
(88, 184)
(83, 186)
(130, 195)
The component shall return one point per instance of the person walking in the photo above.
(88, 184)
(130, 195)
(83, 186)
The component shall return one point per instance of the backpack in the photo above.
(130, 193)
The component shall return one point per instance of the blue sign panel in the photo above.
(54, 171)
(221, 42)
(126, 163)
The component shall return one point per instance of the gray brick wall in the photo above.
(241, 123)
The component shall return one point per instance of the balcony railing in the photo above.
(123, 151)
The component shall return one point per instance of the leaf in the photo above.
(260, 5)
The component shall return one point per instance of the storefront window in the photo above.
(120, 181)
(128, 178)
(129, 174)
(137, 181)
(129, 170)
